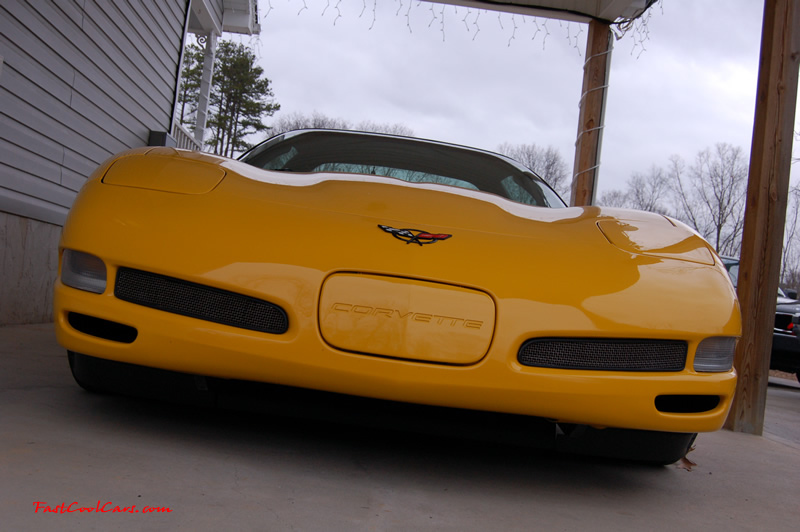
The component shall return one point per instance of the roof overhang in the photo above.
(238, 16)
(201, 18)
(572, 10)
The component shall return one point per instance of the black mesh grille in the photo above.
(198, 301)
(604, 354)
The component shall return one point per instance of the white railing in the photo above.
(184, 138)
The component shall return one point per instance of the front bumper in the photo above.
(785, 352)
(301, 358)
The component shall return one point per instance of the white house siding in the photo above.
(80, 81)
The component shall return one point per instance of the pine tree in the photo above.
(240, 97)
(190, 85)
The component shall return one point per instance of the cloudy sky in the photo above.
(481, 79)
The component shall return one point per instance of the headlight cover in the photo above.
(163, 172)
(715, 354)
(83, 271)
(657, 237)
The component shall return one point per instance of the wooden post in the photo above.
(590, 119)
(765, 213)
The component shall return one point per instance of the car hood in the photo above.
(259, 231)
(457, 208)
(787, 305)
(396, 204)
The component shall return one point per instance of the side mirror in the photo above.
(791, 293)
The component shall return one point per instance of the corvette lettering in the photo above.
(414, 236)
(390, 313)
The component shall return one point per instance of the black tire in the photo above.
(98, 375)
(86, 372)
(653, 447)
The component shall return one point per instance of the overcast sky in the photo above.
(481, 79)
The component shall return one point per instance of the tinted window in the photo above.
(733, 270)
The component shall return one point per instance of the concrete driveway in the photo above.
(64, 449)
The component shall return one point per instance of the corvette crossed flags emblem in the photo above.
(414, 236)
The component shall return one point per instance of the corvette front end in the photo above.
(414, 292)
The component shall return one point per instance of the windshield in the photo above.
(410, 160)
(733, 271)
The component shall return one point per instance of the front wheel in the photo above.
(650, 446)
(87, 372)
(98, 375)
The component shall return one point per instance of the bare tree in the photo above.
(796, 137)
(318, 120)
(546, 162)
(710, 195)
(614, 198)
(646, 192)
(390, 129)
(790, 259)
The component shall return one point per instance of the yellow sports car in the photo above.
(397, 269)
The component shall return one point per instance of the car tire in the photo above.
(649, 446)
(98, 375)
(86, 372)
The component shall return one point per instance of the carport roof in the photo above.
(609, 11)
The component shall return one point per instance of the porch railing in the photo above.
(184, 138)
